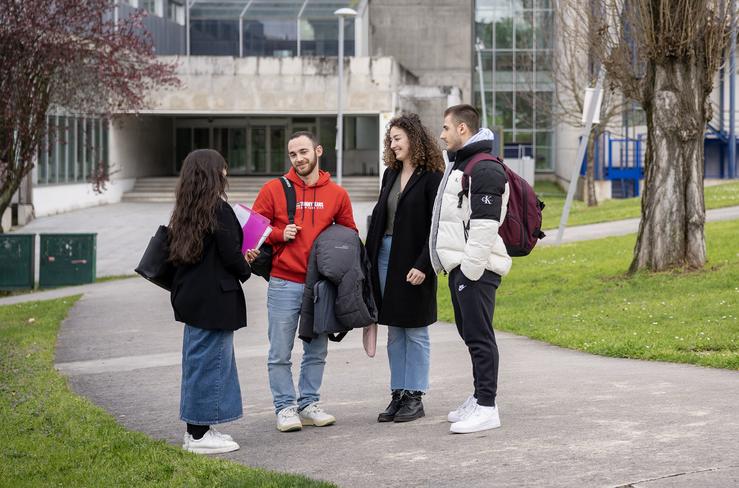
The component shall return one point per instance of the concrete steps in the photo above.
(242, 189)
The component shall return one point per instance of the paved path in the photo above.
(623, 227)
(124, 229)
(569, 419)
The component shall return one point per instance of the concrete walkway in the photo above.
(569, 418)
(124, 229)
(623, 227)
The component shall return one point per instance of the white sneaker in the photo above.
(481, 418)
(225, 436)
(213, 442)
(463, 410)
(314, 415)
(288, 420)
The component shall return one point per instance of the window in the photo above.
(518, 35)
(149, 5)
(73, 147)
(269, 28)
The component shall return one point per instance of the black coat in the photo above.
(403, 304)
(338, 256)
(207, 294)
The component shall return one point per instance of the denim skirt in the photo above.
(210, 391)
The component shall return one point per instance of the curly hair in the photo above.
(200, 189)
(425, 153)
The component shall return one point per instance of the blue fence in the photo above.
(620, 160)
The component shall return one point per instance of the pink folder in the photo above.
(256, 228)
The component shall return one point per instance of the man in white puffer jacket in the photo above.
(464, 242)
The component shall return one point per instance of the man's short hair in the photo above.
(465, 113)
(305, 133)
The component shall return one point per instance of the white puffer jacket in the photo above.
(482, 248)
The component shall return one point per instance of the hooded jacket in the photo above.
(464, 228)
(317, 207)
(339, 257)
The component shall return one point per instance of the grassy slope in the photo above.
(52, 437)
(578, 296)
(724, 195)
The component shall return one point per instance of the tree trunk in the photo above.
(5, 196)
(590, 198)
(673, 210)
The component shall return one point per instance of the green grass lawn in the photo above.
(579, 296)
(724, 195)
(51, 437)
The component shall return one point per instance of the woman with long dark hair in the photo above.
(403, 280)
(205, 246)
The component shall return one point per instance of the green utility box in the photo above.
(17, 261)
(67, 259)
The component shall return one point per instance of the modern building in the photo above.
(254, 71)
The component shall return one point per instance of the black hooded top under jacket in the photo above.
(207, 294)
(403, 304)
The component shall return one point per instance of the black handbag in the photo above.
(155, 265)
(262, 265)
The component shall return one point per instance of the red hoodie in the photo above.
(317, 207)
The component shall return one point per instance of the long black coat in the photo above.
(403, 304)
(207, 294)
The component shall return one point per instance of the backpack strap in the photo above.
(468, 172)
(289, 189)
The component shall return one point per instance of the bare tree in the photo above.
(664, 54)
(70, 54)
(572, 70)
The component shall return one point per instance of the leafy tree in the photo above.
(68, 54)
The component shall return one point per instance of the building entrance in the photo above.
(257, 145)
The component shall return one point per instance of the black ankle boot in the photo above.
(389, 414)
(411, 407)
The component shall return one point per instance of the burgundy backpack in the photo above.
(522, 225)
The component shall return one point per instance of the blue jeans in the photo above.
(210, 392)
(408, 349)
(284, 299)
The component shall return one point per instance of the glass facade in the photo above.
(73, 148)
(517, 38)
(269, 28)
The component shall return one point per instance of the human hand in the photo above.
(415, 277)
(290, 232)
(251, 255)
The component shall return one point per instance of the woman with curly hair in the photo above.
(205, 247)
(402, 278)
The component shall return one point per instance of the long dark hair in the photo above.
(200, 189)
(424, 151)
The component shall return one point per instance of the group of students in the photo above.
(425, 222)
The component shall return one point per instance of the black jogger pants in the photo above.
(474, 305)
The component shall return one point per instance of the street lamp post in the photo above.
(479, 47)
(342, 14)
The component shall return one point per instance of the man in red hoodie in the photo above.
(320, 203)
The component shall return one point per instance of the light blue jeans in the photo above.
(408, 349)
(284, 299)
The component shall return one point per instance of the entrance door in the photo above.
(231, 143)
(267, 149)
